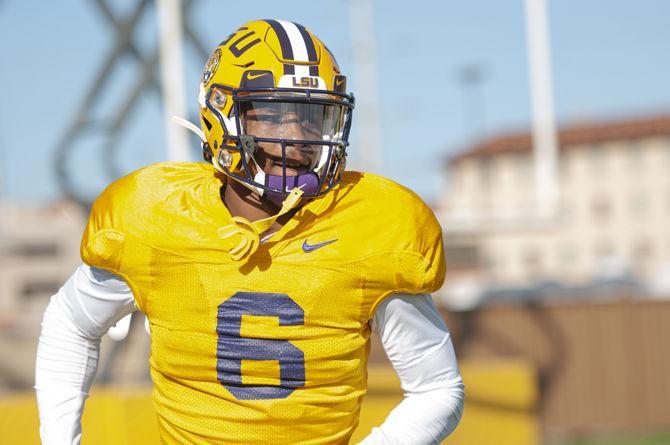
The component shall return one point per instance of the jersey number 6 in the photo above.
(232, 348)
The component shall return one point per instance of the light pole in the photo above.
(545, 144)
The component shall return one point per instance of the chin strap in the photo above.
(249, 233)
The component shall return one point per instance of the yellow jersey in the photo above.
(272, 349)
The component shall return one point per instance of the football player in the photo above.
(262, 272)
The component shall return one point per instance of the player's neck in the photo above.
(240, 201)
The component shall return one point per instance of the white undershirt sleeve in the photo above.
(89, 303)
(419, 347)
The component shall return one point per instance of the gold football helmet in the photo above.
(272, 94)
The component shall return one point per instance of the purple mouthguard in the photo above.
(308, 183)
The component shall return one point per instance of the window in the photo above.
(35, 288)
(604, 250)
(531, 260)
(564, 165)
(638, 203)
(567, 255)
(34, 250)
(635, 151)
(642, 250)
(484, 171)
(461, 256)
(601, 209)
(642, 253)
(567, 210)
(524, 170)
(598, 156)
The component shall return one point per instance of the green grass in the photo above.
(656, 439)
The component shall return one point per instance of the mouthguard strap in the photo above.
(246, 235)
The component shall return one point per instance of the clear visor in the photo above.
(292, 120)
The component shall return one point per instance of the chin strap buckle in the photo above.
(248, 234)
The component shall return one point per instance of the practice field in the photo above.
(500, 409)
(500, 403)
(656, 439)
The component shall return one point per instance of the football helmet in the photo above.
(274, 111)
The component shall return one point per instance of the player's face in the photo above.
(289, 121)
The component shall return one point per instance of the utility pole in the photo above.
(545, 144)
(368, 111)
(170, 24)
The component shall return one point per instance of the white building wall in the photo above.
(613, 216)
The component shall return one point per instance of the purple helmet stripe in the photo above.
(285, 43)
(309, 43)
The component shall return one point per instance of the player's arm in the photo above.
(89, 303)
(419, 347)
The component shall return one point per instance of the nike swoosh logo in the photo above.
(306, 247)
(251, 76)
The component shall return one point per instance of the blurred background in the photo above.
(538, 130)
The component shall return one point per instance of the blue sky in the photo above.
(610, 59)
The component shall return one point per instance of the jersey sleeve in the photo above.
(110, 241)
(418, 265)
(103, 242)
(411, 259)
(420, 268)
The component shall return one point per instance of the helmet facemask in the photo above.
(277, 139)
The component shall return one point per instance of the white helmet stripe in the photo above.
(298, 46)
